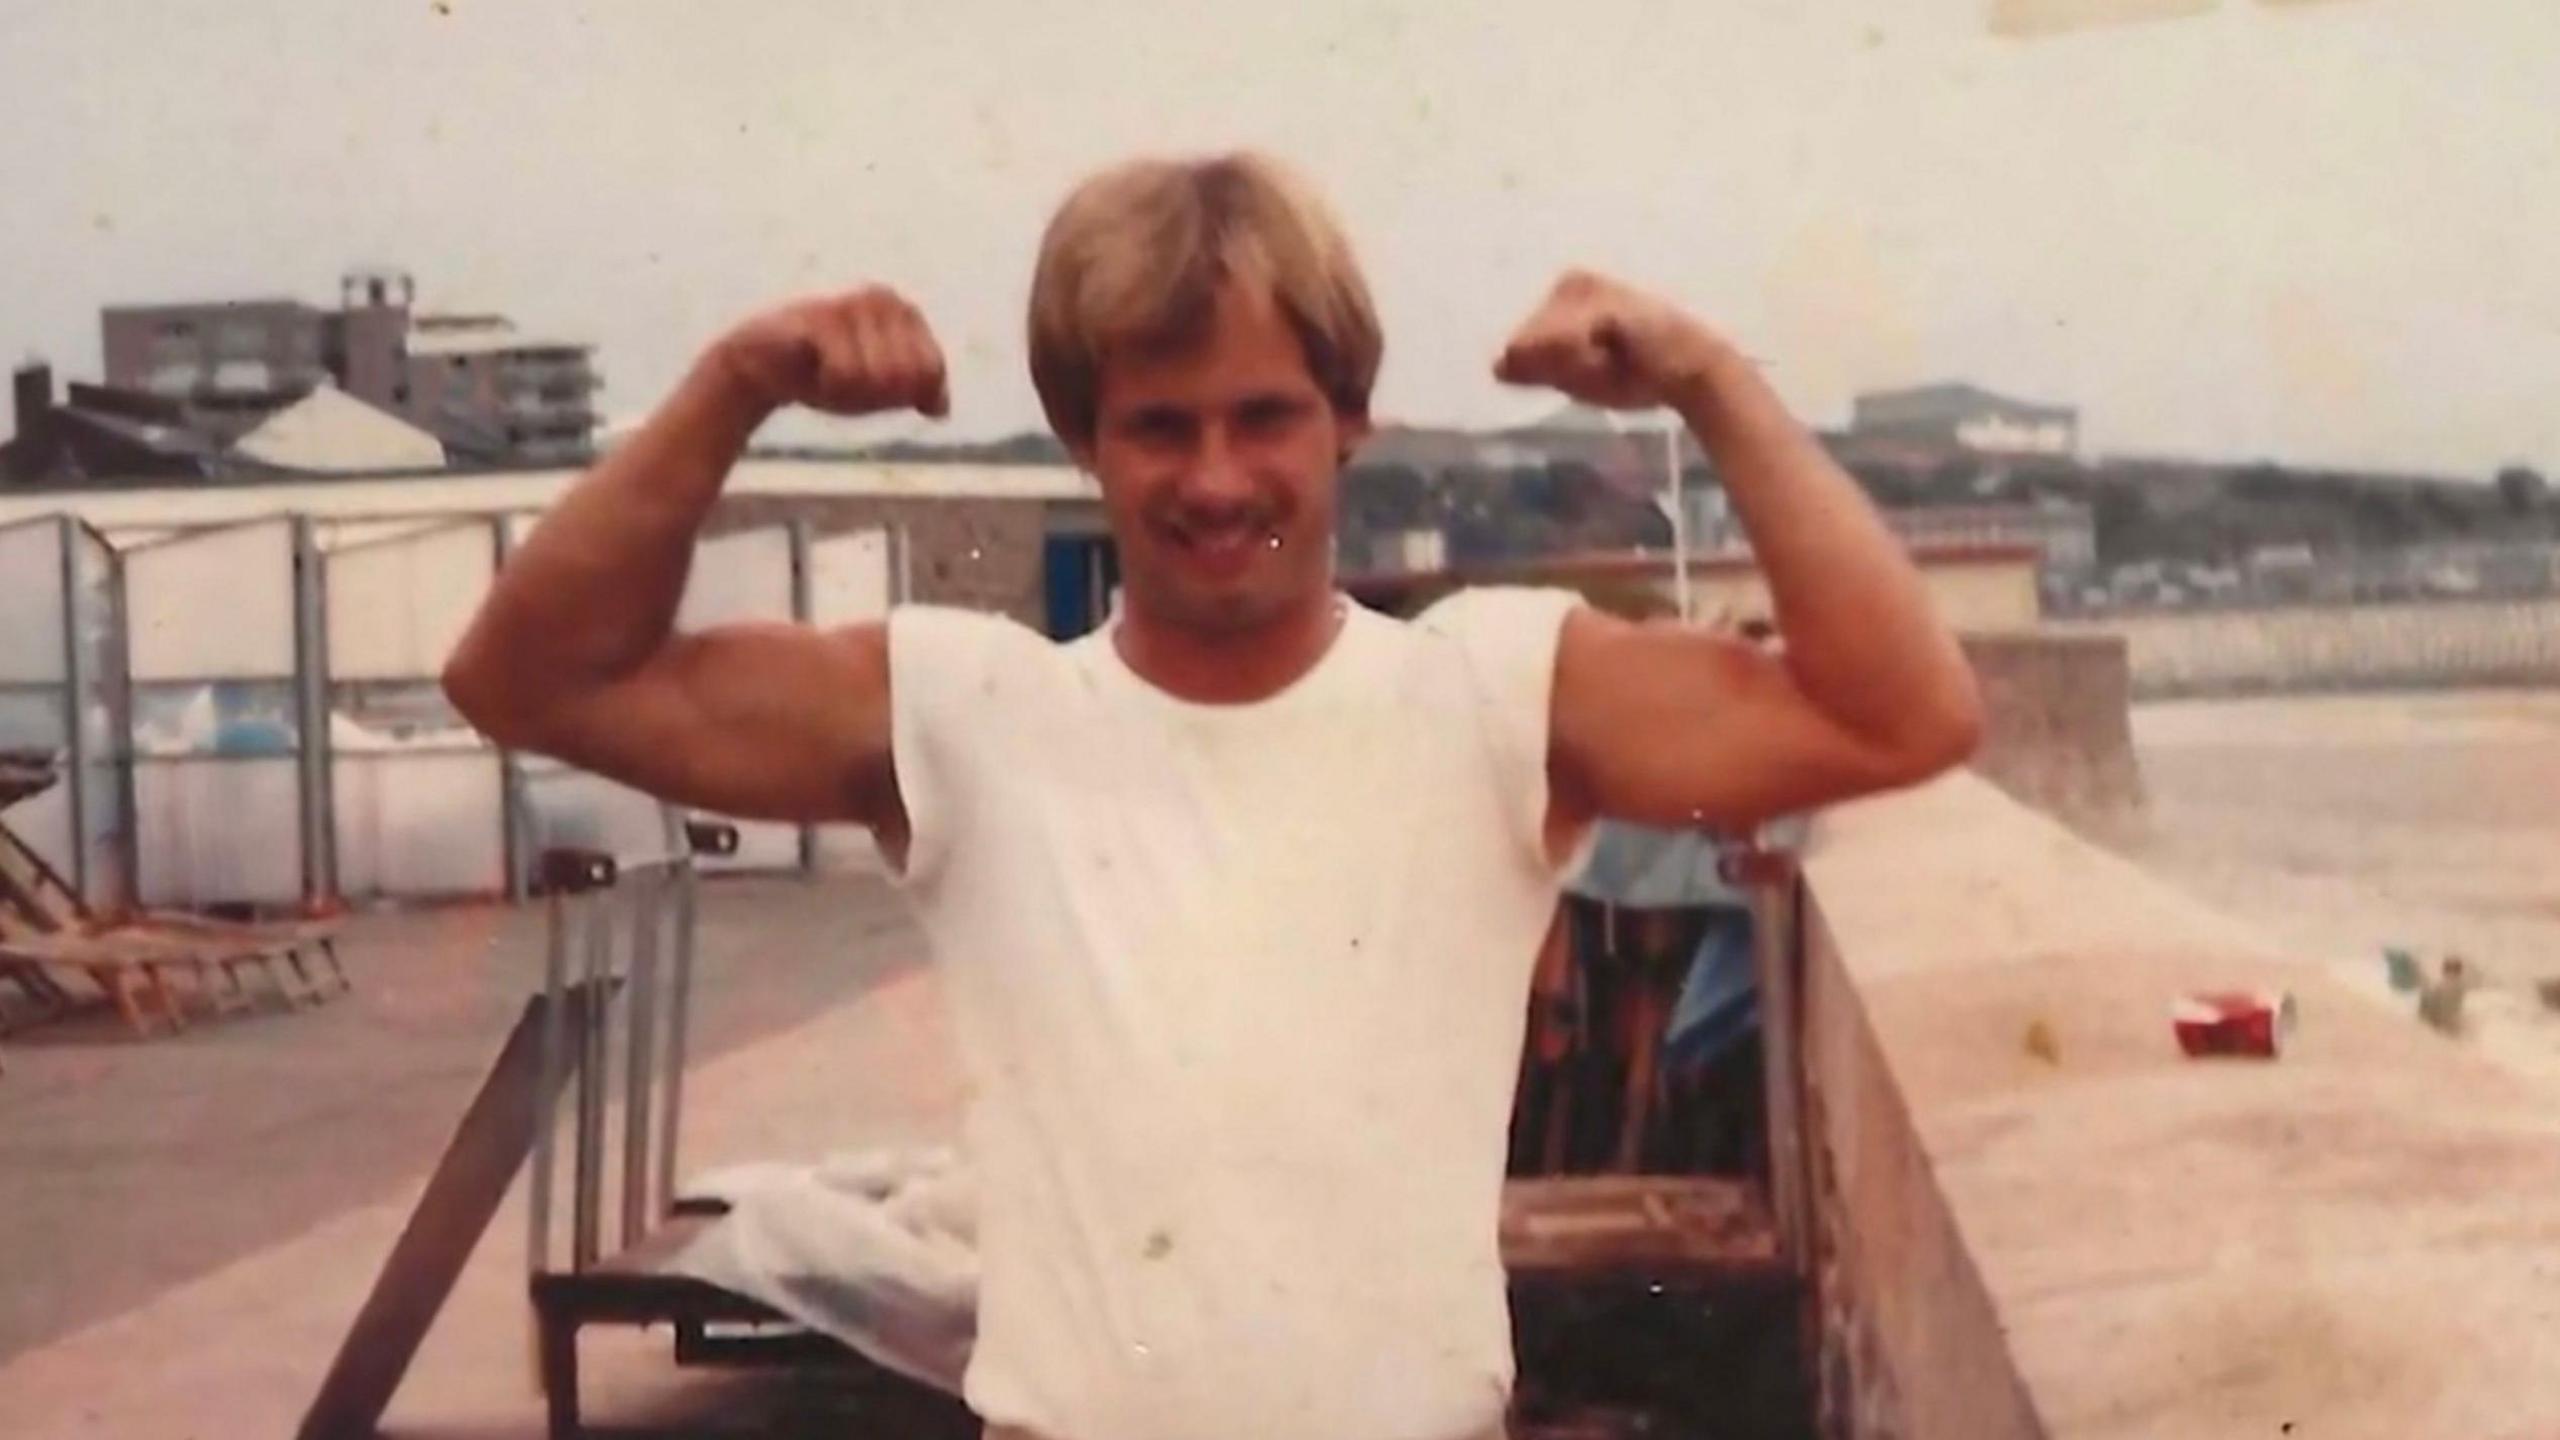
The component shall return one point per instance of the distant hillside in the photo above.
(2218, 513)
(1527, 492)
(1030, 447)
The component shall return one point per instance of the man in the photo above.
(1235, 900)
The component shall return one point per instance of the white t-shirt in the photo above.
(1239, 992)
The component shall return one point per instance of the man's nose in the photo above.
(1218, 476)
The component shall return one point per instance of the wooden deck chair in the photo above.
(47, 931)
(130, 971)
(308, 948)
(40, 996)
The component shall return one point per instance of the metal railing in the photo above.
(644, 992)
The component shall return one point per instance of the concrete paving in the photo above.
(128, 1167)
(240, 1351)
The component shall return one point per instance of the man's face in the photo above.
(1218, 468)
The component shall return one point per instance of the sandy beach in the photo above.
(2341, 825)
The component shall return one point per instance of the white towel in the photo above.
(877, 1248)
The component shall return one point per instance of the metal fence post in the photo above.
(645, 906)
(688, 839)
(575, 885)
(74, 705)
(119, 730)
(804, 611)
(555, 974)
(587, 1227)
(515, 826)
(312, 754)
(592, 901)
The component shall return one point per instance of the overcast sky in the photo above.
(2317, 232)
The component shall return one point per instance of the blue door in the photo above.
(1079, 574)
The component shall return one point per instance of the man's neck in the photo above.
(1231, 668)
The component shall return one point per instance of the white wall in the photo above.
(218, 830)
(31, 599)
(849, 577)
(397, 607)
(217, 603)
(588, 812)
(744, 575)
(2314, 647)
(420, 824)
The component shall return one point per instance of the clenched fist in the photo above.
(858, 353)
(1609, 344)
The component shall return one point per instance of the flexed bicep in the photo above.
(1669, 724)
(572, 652)
(761, 721)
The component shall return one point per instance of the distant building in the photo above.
(2065, 533)
(97, 433)
(485, 390)
(1974, 588)
(230, 364)
(1420, 547)
(2278, 574)
(1963, 417)
(2482, 568)
(101, 434)
(484, 387)
(329, 432)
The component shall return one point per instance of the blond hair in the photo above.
(1135, 257)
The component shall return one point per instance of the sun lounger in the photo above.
(133, 973)
(48, 935)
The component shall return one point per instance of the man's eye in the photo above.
(1269, 418)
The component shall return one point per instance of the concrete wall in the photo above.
(1990, 593)
(980, 554)
(2058, 710)
(2085, 1234)
(2360, 647)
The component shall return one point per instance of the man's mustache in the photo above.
(1210, 522)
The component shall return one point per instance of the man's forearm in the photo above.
(1862, 637)
(593, 592)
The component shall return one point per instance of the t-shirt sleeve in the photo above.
(1509, 636)
(938, 660)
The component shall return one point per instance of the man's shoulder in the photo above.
(1498, 613)
(957, 643)
(1504, 639)
(960, 625)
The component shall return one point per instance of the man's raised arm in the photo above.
(1671, 724)
(574, 653)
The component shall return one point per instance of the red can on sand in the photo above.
(2250, 1023)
